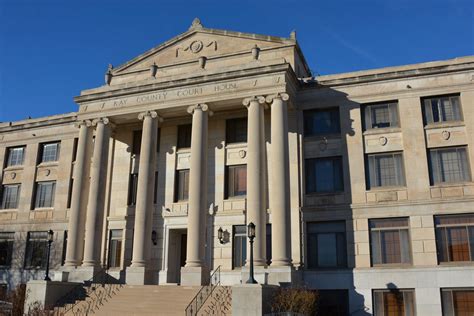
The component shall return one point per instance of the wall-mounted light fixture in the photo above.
(220, 235)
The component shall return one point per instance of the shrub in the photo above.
(17, 298)
(296, 300)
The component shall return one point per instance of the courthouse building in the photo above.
(359, 184)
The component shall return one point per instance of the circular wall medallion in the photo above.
(383, 140)
(13, 175)
(47, 172)
(242, 153)
(446, 135)
(196, 46)
(323, 145)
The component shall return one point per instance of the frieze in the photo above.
(181, 93)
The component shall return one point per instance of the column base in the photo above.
(135, 275)
(194, 276)
(252, 299)
(82, 274)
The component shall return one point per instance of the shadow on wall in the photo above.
(334, 207)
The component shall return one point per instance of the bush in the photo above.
(17, 298)
(296, 300)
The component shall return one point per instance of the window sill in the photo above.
(451, 184)
(383, 130)
(48, 164)
(43, 209)
(8, 209)
(444, 124)
(328, 269)
(382, 189)
(456, 263)
(236, 145)
(323, 194)
(236, 198)
(183, 150)
(393, 266)
(14, 168)
(322, 137)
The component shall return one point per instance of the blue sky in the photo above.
(50, 50)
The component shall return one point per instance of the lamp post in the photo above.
(251, 236)
(50, 241)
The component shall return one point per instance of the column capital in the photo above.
(152, 114)
(80, 123)
(283, 96)
(257, 98)
(201, 106)
(103, 120)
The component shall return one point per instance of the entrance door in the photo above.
(176, 254)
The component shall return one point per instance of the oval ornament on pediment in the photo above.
(383, 140)
(446, 135)
(242, 153)
(323, 144)
(196, 46)
(13, 175)
(47, 172)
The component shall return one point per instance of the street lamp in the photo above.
(251, 235)
(50, 241)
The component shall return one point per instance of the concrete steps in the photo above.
(148, 300)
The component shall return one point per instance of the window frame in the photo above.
(372, 172)
(180, 197)
(9, 154)
(231, 127)
(4, 189)
(184, 135)
(441, 233)
(427, 109)
(243, 250)
(9, 239)
(38, 185)
(435, 172)
(376, 292)
(334, 112)
(387, 229)
(230, 174)
(450, 291)
(28, 254)
(344, 260)
(368, 115)
(41, 155)
(114, 241)
(314, 161)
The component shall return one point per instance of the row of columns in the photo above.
(256, 197)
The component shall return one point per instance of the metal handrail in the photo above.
(97, 297)
(200, 298)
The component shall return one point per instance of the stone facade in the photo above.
(205, 77)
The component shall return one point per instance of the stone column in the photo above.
(144, 205)
(279, 200)
(195, 272)
(95, 206)
(77, 213)
(256, 209)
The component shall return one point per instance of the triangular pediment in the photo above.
(199, 41)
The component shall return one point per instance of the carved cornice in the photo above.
(201, 106)
(258, 98)
(283, 96)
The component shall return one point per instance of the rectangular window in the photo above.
(236, 130)
(184, 136)
(182, 185)
(15, 156)
(10, 195)
(155, 188)
(385, 170)
(6, 249)
(396, 302)
(326, 244)
(390, 241)
(132, 189)
(321, 122)
(36, 250)
(45, 194)
(449, 165)
(442, 109)
(236, 181)
(63, 256)
(455, 237)
(136, 142)
(380, 115)
(115, 248)
(239, 246)
(49, 152)
(324, 175)
(333, 302)
(457, 302)
(268, 246)
(74, 149)
(69, 193)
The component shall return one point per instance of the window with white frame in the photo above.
(449, 165)
(10, 195)
(15, 156)
(45, 194)
(385, 170)
(49, 152)
(380, 115)
(239, 246)
(115, 248)
(390, 241)
(442, 109)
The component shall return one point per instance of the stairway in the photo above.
(219, 303)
